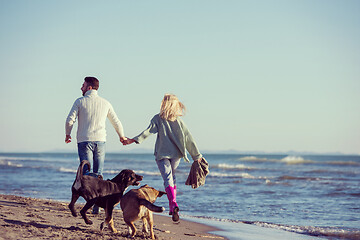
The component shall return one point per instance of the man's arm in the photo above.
(114, 120)
(70, 120)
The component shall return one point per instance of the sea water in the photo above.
(314, 195)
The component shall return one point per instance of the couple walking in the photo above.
(173, 137)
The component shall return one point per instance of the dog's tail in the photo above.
(151, 206)
(79, 174)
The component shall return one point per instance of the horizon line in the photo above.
(229, 151)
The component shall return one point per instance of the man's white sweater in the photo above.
(91, 112)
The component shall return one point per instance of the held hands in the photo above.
(67, 139)
(126, 141)
(123, 140)
(129, 141)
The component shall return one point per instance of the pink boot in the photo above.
(174, 197)
(174, 208)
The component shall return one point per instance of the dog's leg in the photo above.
(102, 226)
(151, 224)
(145, 225)
(130, 231)
(83, 211)
(74, 198)
(132, 227)
(111, 225)
(110, 222)
(108, 213)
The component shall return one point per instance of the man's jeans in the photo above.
(94, 152)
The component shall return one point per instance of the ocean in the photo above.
(314, 195)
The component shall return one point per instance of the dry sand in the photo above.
(29, 218)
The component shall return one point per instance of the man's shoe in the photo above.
(95, 209)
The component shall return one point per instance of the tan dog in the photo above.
(138, 203)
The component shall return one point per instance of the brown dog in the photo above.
(105, 194)
(138, 203)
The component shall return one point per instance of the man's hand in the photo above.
(67, 139)
(123, 140)
(129, 141)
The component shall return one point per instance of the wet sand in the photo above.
(22, 217)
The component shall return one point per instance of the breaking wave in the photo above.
(9, 164)
(229, 166)
(325, 232)
(295, 160)
(333, 232)
(254, 159)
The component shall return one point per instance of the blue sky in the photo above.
(255, 75)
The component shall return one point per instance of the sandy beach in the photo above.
(29, 218)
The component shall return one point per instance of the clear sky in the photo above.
(274, 75)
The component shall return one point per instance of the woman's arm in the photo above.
(151, 129)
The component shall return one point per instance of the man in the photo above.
(91, 112)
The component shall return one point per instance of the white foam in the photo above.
(229, 166)
(314, 231)
(8, 163)
(235, 230)
(67, 170)
(20, 158)
(15, 165)
(295, 160)
(238, 175)
(252, 158)
(147, 173)
(136, 171)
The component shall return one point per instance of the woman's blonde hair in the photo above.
(171, 108)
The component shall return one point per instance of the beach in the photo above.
(30, 218)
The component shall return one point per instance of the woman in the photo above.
(173, 139)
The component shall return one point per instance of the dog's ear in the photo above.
(121, 177)
(125, 178)
(161, 193)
